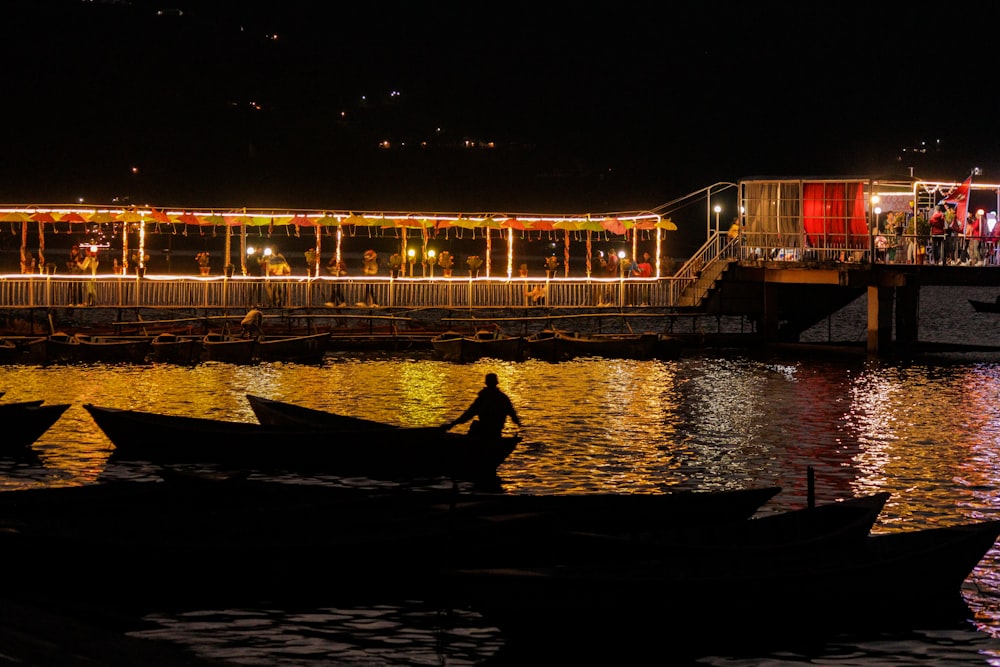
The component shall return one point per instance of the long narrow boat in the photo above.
(410, 452)
(287, 532)
(228, 349)
(875, 583)
(986, 306)
(79, 348)
(612, 346)
(308, 349)
(271, 412)
(486, 344)
(171, 348)
(25, 422)
(25, 350)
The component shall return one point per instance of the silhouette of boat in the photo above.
(395, 453)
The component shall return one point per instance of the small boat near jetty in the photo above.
(171, 348)
(484, 344)
(61, 348)
(27, 350)
(395, 453)
(610, 346)
(986, 306)
(308, 349)
(228, 349)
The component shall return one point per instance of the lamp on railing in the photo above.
(412, 254)
(718, 210)
(430, 261)
(621, 263)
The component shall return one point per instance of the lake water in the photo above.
(928, 431)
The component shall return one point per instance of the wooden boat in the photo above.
(228, 349)
(309, 349)
(544, 345)
(986, 306)
(407, 453)
(612, 346)
(278, 413)
(668, 347)
(290, 535)
(871, 584)
(170, 348)
(63, 348)
(26, 350)
(25, 422)
(484, 344)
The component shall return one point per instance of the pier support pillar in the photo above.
(772, 305)
(879, 318)
(907, 307)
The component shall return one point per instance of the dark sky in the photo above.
(602, 108)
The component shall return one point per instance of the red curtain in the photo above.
(834, 215)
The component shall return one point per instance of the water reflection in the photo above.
(928, 433)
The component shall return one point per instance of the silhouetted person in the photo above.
(492, 407)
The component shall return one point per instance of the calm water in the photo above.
(928, 431)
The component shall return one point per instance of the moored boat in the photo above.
(170, 348)
(63, 348)
(228, 349)
(408, 453)
(308, 349)
(986, 306)
(491, 344)
(28, 350)
(611, 346)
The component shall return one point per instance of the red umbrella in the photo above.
(613, 225)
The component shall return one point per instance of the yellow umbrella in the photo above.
(15, 216)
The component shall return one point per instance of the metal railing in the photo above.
(56, 291)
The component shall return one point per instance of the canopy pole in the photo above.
(243, 244)
(489, 250)
(590, 267)
(142, 242)
(510, 252)
(659, 245)
(566, 253)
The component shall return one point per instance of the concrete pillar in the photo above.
(772, 304)
(879, 318)
(907, 309)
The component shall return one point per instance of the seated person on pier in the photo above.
(536, 296)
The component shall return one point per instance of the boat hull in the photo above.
(395, 453)
(228, 349)
(308, 349)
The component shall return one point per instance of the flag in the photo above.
(960, 197)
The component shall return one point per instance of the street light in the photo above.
(430, 257)
(412, 254)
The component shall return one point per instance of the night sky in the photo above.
(486, 107)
